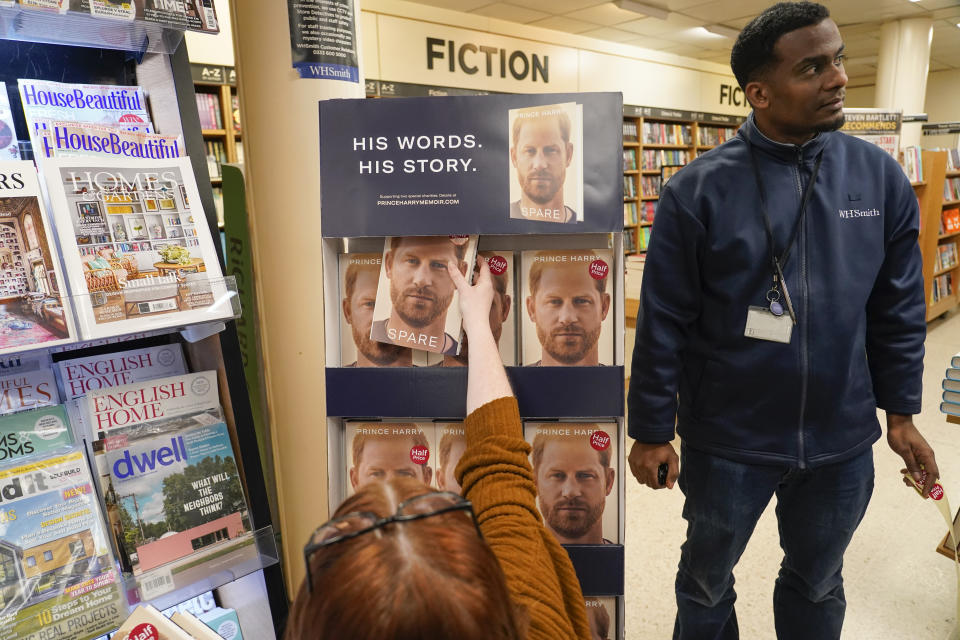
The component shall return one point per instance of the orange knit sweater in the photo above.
(496, 477)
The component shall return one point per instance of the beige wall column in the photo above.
(902, 67)
(281, 147)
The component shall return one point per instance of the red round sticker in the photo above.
(599, 269)
(498, 264)
(130, 117)
(937, 491)
(419, 454)
(600, 440)
(144, 631)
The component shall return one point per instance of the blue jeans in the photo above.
(817, 511)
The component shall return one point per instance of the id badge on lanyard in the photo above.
(775, 321)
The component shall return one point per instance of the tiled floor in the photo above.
(897, 586)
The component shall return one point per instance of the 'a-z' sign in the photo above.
(503, 164)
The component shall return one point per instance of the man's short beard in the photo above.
(537, 198)
(561, 522)
(425, 317)
(833, 125)
(379, 353)
(568, 355)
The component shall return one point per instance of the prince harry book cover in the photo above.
(417, 303)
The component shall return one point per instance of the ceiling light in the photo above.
(721, 30)
(644, 9)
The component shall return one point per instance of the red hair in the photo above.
(427, 579)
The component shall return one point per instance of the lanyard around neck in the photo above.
(779, 262)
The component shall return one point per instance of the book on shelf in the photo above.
(672, 157)
(208, 108)
(629, 159)
(172, 492)
(148, 401)
(502, 313)
(668, 172)
(72, 139)
(582, 455)
(955, 362)
(37, 309)
(630, 213)
(135, 242)
(235, 112)
(218, 204)
(946, 256)
(712, 136)
(650, 186)
(567, 298)
(629, 241)
(377, 451)
(59, 573)
(648, 210)
(942, 288)
(630, 131)
(9, 147)
(359, 277)
(913, 163)
(107, 104)
(216, 157)
(950, 220)
(953, 159)
(417, 305)
(643, 238)
(650, 160)
(953, 375)
(666, 133)
(629, 187)
(951, 189)
(952, 397)
(79, 376)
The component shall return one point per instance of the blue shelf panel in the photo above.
(436, 392)
(600, 568)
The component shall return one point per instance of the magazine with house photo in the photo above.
(34, 308)
(113, 409)
(136, 244)
(417, 304)
(566, 307)
(176, 491)
(575, 467)
(28, 390)
(59, 577)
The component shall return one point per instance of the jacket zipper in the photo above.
(804, 296)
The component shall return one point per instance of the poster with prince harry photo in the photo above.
(546, 160)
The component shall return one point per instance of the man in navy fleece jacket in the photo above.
(770, 331)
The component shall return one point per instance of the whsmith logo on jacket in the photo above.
(54, 94)
(859, 213)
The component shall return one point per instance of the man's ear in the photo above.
(513, 156)
(441, 478)
(758, 94)
(346, 310)
(388, 263)
(353, 478)
(604, 306)
(427, 475)
(530, 309)
(611, 476)
(569, 153)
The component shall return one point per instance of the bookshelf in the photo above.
(656, 144)
(939, 246)
(219, 111)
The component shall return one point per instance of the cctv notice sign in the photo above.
(323, 39)
(499, 164)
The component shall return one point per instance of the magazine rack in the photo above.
(438, 394)
(208, 345)
(84, 30)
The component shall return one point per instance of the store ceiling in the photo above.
(678, 26)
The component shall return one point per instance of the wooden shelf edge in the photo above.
(942, 306)
(951, 203)
(684, 147)
(953, 174)
(940, 272)
(630, 172)
(918, 184)
(214, 132)
(948, 235)
(646, 198)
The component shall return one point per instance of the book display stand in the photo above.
(442, 166)
(76, 48)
